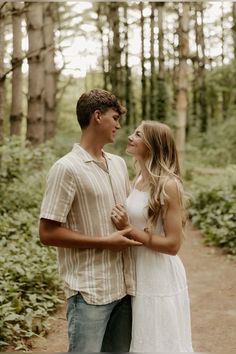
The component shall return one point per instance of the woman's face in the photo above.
(136, 146)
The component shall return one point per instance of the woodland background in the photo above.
(166, 61)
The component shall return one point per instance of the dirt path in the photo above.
(212, 289)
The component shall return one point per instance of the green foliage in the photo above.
(218, 105)
(29, 283)
(214, 211)
(216, 148)
(220, 84)
(17, 159)
(212, 205)
(210, 174)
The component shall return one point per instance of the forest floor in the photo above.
(212, 289)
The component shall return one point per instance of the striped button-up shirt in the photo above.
(80, 193)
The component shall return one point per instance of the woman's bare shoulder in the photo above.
(173, 188)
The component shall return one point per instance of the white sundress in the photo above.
(161, 314)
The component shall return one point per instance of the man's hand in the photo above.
(119, 240)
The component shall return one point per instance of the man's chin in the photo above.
(113, 138)
(110, 141)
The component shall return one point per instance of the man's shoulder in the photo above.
(68, 161)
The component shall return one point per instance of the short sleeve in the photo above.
(59, 194)
(127, 181)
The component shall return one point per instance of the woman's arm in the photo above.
(172, 223)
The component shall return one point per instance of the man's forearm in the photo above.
(53, 234)
(59, 236)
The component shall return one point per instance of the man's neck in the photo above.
(92, 146)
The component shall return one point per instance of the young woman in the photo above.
(155, 215)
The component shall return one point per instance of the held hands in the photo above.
(119, 240)
(119, 217)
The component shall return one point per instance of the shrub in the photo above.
(29, 283)
(213, 210)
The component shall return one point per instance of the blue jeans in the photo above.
(99, 328)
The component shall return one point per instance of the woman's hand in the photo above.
(120, 217)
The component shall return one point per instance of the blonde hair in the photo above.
(162, 164)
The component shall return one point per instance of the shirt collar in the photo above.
(86, 157)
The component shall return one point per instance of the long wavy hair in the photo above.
(162, 164)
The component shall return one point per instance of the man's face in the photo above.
(110, 123)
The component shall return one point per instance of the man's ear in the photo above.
(97, 116)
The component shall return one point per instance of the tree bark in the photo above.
(234, 27)
(161, 85)
(36, 78)
(115, 55)
(16, 105)
(143, 77)
(182, 89)
(152, 93)
(50, 71)
(195, 61)
(222, 34)
(202, 75)
(2, 80)
(100, 26)
(128, 81)
(234, 44)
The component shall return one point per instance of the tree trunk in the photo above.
(194, 92)
(100, 27)
(224, 94)
(195, 61)
(182, 89)
(115, 57)
(143, 77)
(222, 34)
(50, 72)
(152, 93)
(2, 80)
(234, 44)
(202, 76)
(161, 85)
(234, 27)
(36, 104)
(127, 68)
(175, 48)
(16, 106)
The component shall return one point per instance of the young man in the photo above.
(94, 258)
